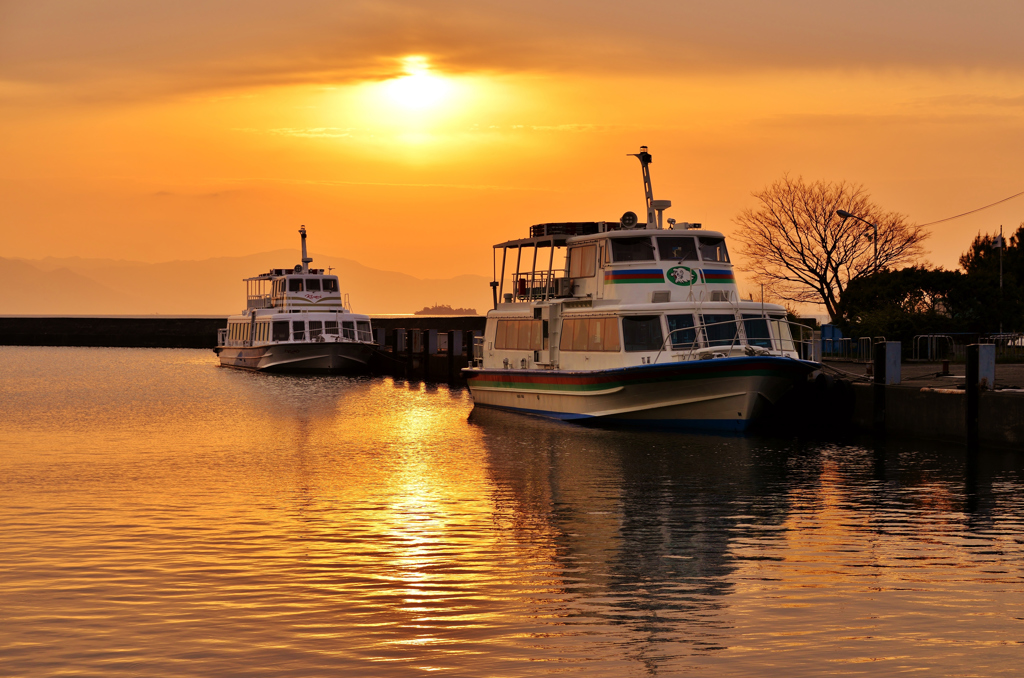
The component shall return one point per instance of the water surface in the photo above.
(162, 516)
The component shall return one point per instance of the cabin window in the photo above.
(331, 327)
(348, 329)
(330, 284)
(583, 261)
(590, 334)
(299, 330)
(363, 328)
(720, 329)
(294, 284)
(641, 332)
(281, 330)
(682, 330)
(713, 249)
(632, 249)
(677, 248)
(756, 328)
(312, 284)
(315, 328)
(782, 330)
(517, 335)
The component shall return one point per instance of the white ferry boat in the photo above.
(296, 321)
(632, 322)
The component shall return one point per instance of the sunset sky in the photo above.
(411, 136)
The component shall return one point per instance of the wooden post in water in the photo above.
(429, 350)
(454, 353)
(887, 357)
(981, 375)
(878, 377)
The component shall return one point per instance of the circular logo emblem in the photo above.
(682, 275)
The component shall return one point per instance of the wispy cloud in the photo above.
(313, 132)
(109, 49)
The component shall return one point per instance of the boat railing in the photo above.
(222, 336)
(536, 285)
(259, 301)
(780, 342)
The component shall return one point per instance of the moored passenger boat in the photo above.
(296, 321)
(632, 322)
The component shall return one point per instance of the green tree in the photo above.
(995, 308)
(903, 303)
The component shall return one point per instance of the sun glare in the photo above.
(419, 89)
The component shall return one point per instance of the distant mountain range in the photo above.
(75, 286)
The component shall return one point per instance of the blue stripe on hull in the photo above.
(720, 425)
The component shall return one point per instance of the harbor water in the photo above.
(163, 516)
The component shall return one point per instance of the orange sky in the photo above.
(192, 130)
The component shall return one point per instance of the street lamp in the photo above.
(843, 214)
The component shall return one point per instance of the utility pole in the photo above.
(1001, 278)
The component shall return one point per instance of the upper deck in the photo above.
(292, 290)
(631, 266)
(624, 261)
(286, 291)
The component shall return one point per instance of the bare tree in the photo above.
(803, 252)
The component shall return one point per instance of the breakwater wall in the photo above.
(429, 348)
(111, 331)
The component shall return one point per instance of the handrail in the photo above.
(699, 330)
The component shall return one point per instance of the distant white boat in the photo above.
(296, 321)
(631, 322)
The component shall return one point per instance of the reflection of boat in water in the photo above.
(636, 324)
(295, 320)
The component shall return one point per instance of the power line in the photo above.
(930, 223)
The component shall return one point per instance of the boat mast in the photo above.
(305, 259)
(645, 161)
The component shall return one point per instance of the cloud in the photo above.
(313, 132)
(125, 49)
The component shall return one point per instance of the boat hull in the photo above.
(326, 357)
(724, 393)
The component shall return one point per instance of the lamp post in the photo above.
(843, 214)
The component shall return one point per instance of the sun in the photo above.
(419, 89)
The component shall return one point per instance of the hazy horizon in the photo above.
(414, 137)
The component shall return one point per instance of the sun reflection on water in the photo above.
(267, 524)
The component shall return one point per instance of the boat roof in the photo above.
(561, 239)
(285, 272)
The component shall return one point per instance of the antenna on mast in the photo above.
(305, 259)
(654, 207)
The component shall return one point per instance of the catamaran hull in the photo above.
(327, 357)
(725, 393)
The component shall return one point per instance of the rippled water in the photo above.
(162, 516)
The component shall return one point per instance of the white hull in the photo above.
(726, 393)
(332, 357)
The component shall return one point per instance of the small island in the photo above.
(445, 309)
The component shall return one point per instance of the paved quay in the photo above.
(919, 374)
